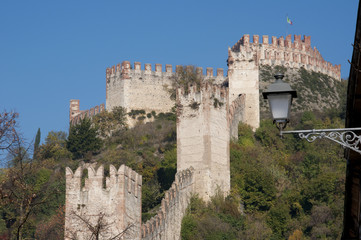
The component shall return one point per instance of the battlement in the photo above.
(147, 87)
(167, 221)
(94, 195)
(76, 114)
(125, 69)
(207, 91)
(298, 43)
(95, 178)
(282, 51)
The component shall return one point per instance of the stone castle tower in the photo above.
(206, 120)
(203, 122)
(97, 204)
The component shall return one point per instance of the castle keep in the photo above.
(206, 120)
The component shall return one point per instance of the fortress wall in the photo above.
(76, 114)
(166, 225)
(117, 204)
(115, 88)
(282, 51)
(203, 135)
(135, 88)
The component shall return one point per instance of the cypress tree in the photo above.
(36, 143)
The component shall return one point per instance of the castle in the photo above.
(206, 118)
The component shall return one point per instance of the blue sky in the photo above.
(54, 51)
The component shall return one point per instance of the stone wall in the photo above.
(75, 114)
(166, 225)
(144, 89)
(114, 203)
(203, 135)
(236, 115)
(117, 206)
(243, 80)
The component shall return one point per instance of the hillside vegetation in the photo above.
(280, 188)
(316, 92)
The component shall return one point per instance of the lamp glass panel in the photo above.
(280, 105)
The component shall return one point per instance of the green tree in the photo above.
(36, 144)
(109, 122)
(259, 190)
(28, 190)
(55, 147)
(278, 218)
(83, 139)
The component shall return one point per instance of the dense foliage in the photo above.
(316, 91)
(286, 188)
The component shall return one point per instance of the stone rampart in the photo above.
(282, 51)
(75, 114)
(113, 202)
(146, 89)
(166, 225)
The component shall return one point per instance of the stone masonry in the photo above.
(203, 135)
(95, 204)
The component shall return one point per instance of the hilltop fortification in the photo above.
(134, 88)
(203, 120)
(207, 117)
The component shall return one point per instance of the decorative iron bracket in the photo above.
(344, 136)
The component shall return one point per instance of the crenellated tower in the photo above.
(113, 202)
(243, 80)
(245, 58)
(203, 136)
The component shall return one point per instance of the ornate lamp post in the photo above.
(280, 95)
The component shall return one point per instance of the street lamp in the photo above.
(280, 95)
